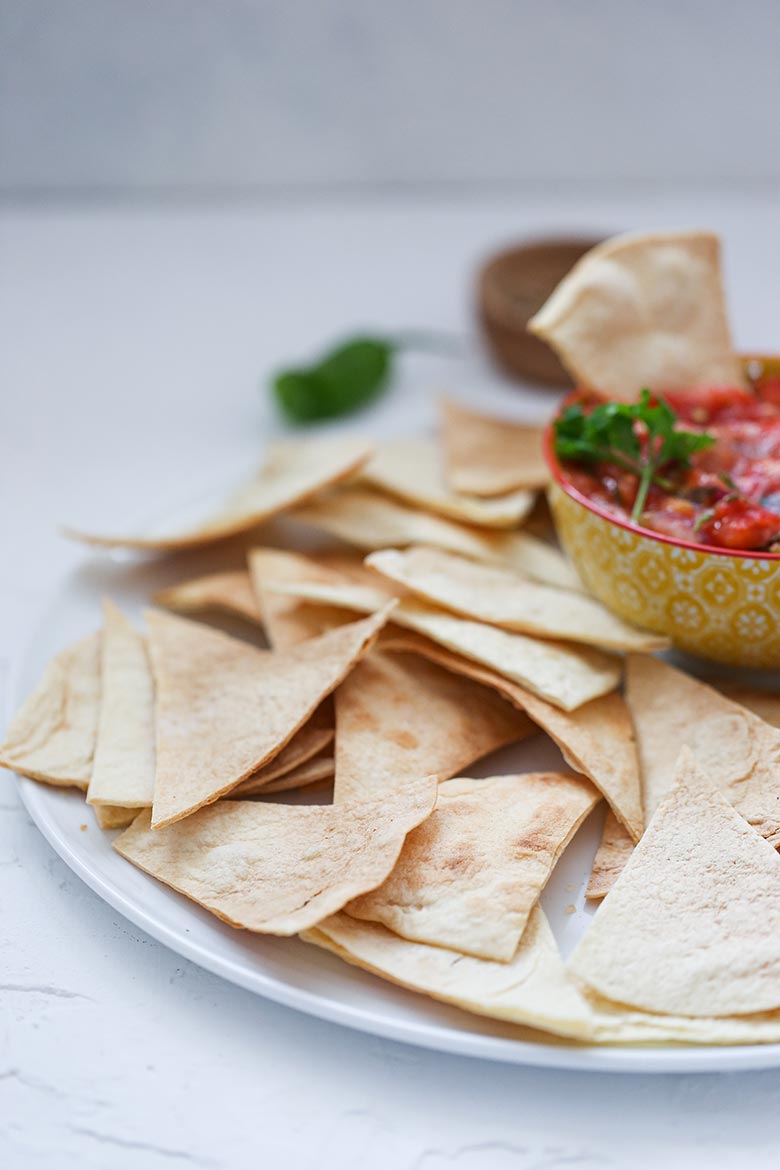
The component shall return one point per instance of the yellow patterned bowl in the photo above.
(715, 603)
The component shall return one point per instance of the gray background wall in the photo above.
(118, 97)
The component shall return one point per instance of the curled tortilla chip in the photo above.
(643, 310)
(229, 593)
(692, 925)
(224, 708)
(564, 674)
(315, 735)
(398, 717)
(504, 599)
(312, 772)
(485, 456)
(293, 472)
(277, 868)
(739, 752)
(52, 736)
(123, 768)
(614, 850)
(596, 739)
(412, 470)
(470, 875)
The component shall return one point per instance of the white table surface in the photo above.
(133, 345)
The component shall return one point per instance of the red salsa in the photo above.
(727, 496)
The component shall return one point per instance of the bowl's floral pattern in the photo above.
(722, 607)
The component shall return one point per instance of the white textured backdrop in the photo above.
(243, 96)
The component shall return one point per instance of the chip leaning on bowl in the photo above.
(665, 463)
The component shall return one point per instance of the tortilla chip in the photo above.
(643, 310)
(614, 851)
(371, 521)
(532, 989)
(398, 717)
(692, 925)
(225, 708)
(277, 868)
(468, 877)
(485, 456)
(765, 704)
(111, 816)
(293, 472)
(286, 621)
(596, 739)
(738, 751)
(412, 470)
(504, 599)
(229, 593)
(312, 772)
(52, 736)
(123, 768)
(315, 735)
(564, 674)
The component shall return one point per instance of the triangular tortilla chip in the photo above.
(287, 622)
(738, 751)
(486, 456)
(692, 925)
(532, 989)
(52, 736)
(765, 704)
(470, 875)
(225, 708)
(398, 717)
(279, 869)
(643, 310)
(412, 470)
(315, 735)
(312, 772)
(372, 521)
(293, 472)
(111, 816)
(613, 852)
(564, 674)
(229, 593)
(596, 739)
(505, 599)
(123, 768)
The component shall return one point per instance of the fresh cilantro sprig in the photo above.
(640, 437)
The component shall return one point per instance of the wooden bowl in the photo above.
(511, 286)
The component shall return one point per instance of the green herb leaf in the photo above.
(348, 377)
(640, 437)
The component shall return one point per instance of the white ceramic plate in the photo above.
(287, 970)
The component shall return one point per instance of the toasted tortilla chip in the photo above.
(287, 622)
(225, 708)
(692, 925)
(596, 739)
(564, 674)
(485, 456)
(315, 735)
(738, 751)
(371, 521)
(412, 470)
(123, 768)
(765, 704)
(469, 876)
(111, 816)
(532, 989)
(293, 472)
(398, 717)
(277, 868)
(643, 310)
(614, 851)
(52, 736)
(229, 593)
(312, 772)
(507, 600)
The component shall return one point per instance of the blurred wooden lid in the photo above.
(511, 286)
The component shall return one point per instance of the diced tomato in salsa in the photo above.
(730, 495)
